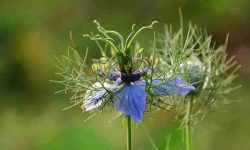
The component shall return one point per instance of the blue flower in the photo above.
(129, 91)
(131, 96)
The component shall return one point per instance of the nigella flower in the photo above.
(125, 79)
(131, 97)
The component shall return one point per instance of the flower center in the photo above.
(130, 78)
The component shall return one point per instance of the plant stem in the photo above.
(188, 132)
(129, 144)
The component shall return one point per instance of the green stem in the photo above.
(188, 132)
(129, 144)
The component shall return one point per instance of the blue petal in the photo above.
(175, 85)
(131, 100)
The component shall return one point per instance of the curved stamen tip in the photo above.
(153, 23)
(97, 23)
(133, 27)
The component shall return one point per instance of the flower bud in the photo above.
(194, 72)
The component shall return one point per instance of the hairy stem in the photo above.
(129, 144)
(187, 128)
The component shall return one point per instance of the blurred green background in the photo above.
(32, 32)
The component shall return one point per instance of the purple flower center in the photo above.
(128, 78)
